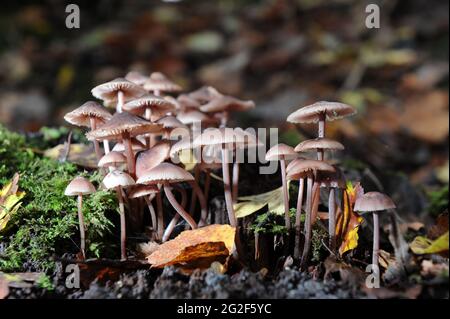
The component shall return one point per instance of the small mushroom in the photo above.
(282, 152)
(90, 114)
(118, 90)
(80, 186)
(136, 77)
(166, 174)
(319, 144)
(118, 180)
(158, 82)
(224, 104)
(123, 126)
(374, 202)
(204, 94)
(136, 146)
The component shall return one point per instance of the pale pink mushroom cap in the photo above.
(311, 113)
(373, 202)
(280, 151)
(79, 186)
(117, 178)
(165, 173)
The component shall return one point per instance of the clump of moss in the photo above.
(438, 200)
(319, 237)
(46, 222)
(270, 223)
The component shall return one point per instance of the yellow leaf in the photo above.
(80, 154)
(348, 222)
(422, 245)
(10, 199)
(187, 158)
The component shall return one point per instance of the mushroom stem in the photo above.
(207, 185)
(130, 155)
(307, 244)
(180, 210)
(227, 187)
(298, 216)
(97, 150)
(176, 218)
(235, 190)
(152, 212)
(159, 207)
(81, 224)
(194, 194)
(123, 228)
(201, 197)
(376, 239)
(148, 138)
(332, 219)
(287, 218)
(224, 119)
(120, 100)
(321, 133)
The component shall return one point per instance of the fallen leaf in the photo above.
(4, 289)
(422, 245)
(10, 199)
(440, 228)
(193, 245)
(79, 154)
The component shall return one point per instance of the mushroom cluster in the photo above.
(150, 128)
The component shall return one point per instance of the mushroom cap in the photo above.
(148, 159)
(311, 113)
(225, 135)
(81, 116)
(334, 179)
(123, 123)
(194, 116)
(302, 168)
(108, 91)
(165, 173)
(149, 101)
(112, 159)
(373, 202)
(171, 122)
(79, 186)
(136, 146)
(185, 101)
(159, 82)
(319, 143)
(226, 103)
(136, 77)
(204, 94)
(137, 191)
(280, 151)
(117, 178)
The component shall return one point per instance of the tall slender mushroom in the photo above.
(158, 83)
(90, 114)
(374, 202)
(282, 152)
(118, 180)
(118, 90)
(166, 174)
(80, 186)
(123, 126)
(297, 171)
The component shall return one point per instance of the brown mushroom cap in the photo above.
(79, 186)
(303, 167)
(81, 116)
(226, 103)
(149, 101)
(136, 146)
(124, 123)
(334, 179)
(319, 143)
(171, 122)
(136, 77)
(185, 101)
(159, 82)
(280, 151)
(117, 178)
(194, 116)
(204, 94)
(147, 160)
(373, 202)
(311, 113)
(112, 159)
(226, 135)
(165, 173)
(137, 191)
(108, 91)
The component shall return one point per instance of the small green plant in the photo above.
(438, 200)
(44, 282)
(271, 223)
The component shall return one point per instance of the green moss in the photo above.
(46, 224)
(319, 236)
(438, 200)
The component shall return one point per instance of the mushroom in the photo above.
(319, 144)
(149, 105)
(320, 112)
(112, 160)
(123, 126)
(166, 174)
(158, 82)
(136, 146)
(224, 104)
(136, 77)
(90, 114)
(204, 94)
(147, 192)
(171, 226)
(374, 202)
(80, 186)
(309, 168)
(282, 152)
(332, 180)
(118, 180)
(226, 138)
(172, 124)
(118, 90)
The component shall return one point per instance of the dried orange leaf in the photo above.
(192, 245)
